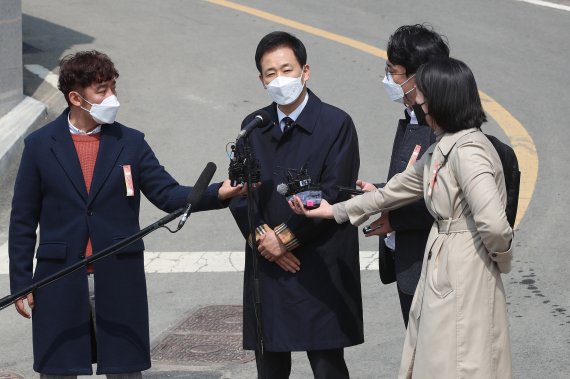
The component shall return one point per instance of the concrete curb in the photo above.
(15, 125)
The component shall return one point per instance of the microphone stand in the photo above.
(6, 301)
(255, 259)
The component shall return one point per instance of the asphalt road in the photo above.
(187, 78)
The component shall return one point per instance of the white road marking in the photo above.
(199, 261)
(547, 4)
(43, 73)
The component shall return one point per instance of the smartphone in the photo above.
(368, 229)
(352, 191)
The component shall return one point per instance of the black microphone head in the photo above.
(283, 189)
(264, 116)
(202, 183)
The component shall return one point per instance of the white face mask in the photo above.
(285, 90)
(394, 90)
(106, 111)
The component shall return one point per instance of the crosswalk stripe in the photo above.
(199, 261)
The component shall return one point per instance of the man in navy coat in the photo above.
(310, 277)
(80, 179)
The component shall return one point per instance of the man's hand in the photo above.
(289, 262)
(366, 187)
(226, 191)
(383, 225)
(21, 308)
(270, 246)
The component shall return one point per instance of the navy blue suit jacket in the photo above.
(50, 192)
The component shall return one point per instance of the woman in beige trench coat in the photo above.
(458, 324)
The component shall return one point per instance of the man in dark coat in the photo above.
(310, 277)
(80, 179)
(407, 227)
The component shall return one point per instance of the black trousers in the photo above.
(326, 364)
(405, 304)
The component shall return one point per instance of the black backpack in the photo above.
(512, 174)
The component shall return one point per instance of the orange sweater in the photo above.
(87, 147)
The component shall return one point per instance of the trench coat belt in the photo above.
(457, 225)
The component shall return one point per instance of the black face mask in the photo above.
(420, 114)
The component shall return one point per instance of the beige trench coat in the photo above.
(458, 319)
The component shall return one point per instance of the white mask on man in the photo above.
(106, 111)
(394, 90)
(284, 90)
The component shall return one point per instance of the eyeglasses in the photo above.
(387, 72)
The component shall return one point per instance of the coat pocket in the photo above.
(440, 281)
(52, 250)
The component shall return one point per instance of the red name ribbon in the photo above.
(128, 180)
(414, 156)
(433, 178)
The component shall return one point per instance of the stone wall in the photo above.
(11, 82)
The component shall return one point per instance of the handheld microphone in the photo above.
(198, 191)
(283, 189)
(300, 184)
(261, 119)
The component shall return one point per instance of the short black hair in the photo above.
(278, 39)
(451, 94)
(413, 45)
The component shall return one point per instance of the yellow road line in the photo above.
(520, 139)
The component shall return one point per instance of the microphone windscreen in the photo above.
(202, 183)
(265, 117)
(282, 189)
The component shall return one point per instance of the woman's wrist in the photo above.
(339, 212)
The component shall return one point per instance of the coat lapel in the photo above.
(66, 155)
(109, 149)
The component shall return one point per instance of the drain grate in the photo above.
(198, 350)
(210, 335)
(215, 319)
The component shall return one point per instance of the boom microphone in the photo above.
(198, 191)
(261, 119)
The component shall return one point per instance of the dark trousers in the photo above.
(326, 364)
(405, 304)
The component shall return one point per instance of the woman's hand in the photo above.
(323, 211)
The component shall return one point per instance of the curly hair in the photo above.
(84, 68)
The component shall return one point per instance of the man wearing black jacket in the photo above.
(309, 269)
(404, 232)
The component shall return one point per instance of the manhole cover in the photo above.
(210, 335)
(199, 350)
(214, 319)
(10, 375)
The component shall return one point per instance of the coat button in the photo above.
(429, 255)
(494, 255)
(90, 212)
(81, 256)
